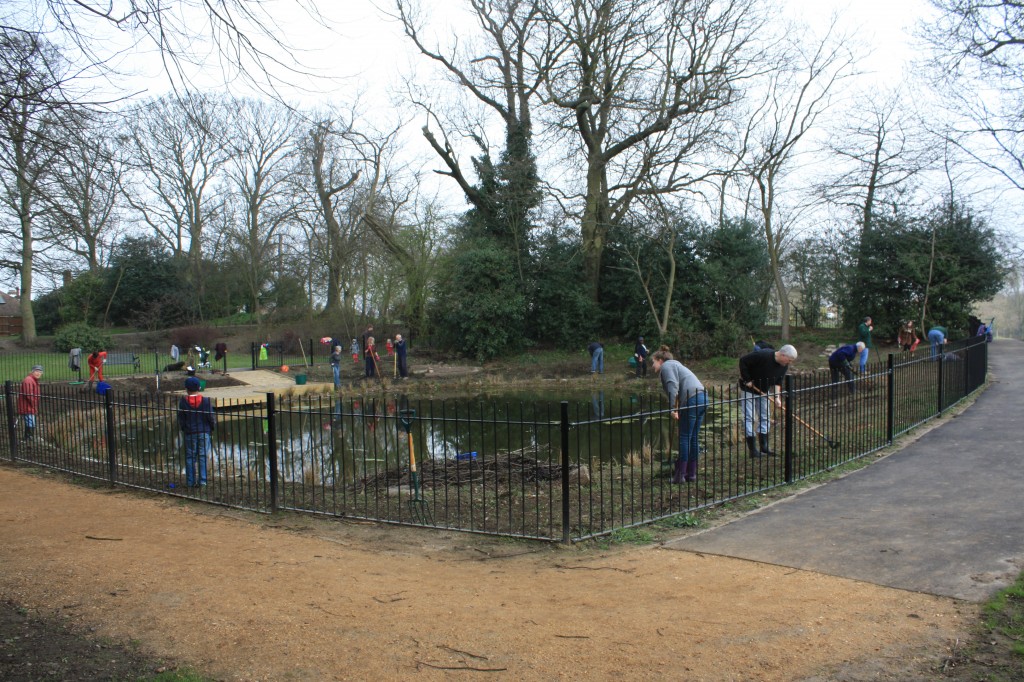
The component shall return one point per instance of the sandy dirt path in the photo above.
(244, 597)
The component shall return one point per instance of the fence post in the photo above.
(788, 420)
(984, 363)
(311, 363)
(12, 420)
(942, 388)
(890, 407)
(564, 426)
(108, 406)
(252, 352)
(272, 450)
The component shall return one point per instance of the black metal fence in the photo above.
(556, 471)
(120, 363)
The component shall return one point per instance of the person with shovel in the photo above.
(761, 373)
(689, 402)
(368, 358)
(372, 359)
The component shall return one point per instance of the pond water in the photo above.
(344, 440)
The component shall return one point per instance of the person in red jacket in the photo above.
(28, 399)
(96, 360)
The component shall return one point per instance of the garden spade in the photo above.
(418, 506)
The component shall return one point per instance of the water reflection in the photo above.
(343, 441)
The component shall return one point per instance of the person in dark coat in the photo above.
(761, 373)
(839, 364)
(197, 422)
(640, 354)
(401, 356)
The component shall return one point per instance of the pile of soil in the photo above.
(170, 383)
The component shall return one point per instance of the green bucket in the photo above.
(300, 379)
(202, 384)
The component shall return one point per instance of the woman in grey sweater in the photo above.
(686, 393)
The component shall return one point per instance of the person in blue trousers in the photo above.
(936, 338)
(689, 403)
(336, 366)
(596, 351)
(197, 422)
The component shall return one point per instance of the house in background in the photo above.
(10, 314)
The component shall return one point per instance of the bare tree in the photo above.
(639, 86)
(262, 157)
(389, 209)
(27, 120)
(978, 55)
(242, 37)
(503, 70)
(332, 172)
(82, 200)
(662, 222)
(879, 149)
(178, 151)
(796, 93)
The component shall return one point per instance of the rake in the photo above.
(417, 505)
(831, 443)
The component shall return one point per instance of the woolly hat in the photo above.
(192, 384)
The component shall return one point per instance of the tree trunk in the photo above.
(28, 318)
(594, 230)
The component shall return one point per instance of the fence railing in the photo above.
(57, 366)
(557, 471)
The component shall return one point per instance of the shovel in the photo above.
(417, 505)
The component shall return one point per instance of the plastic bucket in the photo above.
(202, 384)
(300, 379)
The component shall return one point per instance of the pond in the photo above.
(341, 441)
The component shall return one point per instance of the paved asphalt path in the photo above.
(944, 515)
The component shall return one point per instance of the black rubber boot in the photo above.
(28, 433)
(763, 437)
(752, 447)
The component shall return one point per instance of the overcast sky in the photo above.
(367, 52)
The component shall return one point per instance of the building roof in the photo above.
(10, 306)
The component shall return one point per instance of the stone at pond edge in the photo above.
(580, 476)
